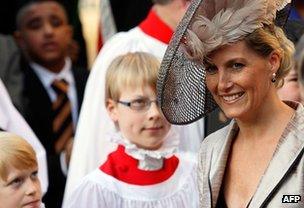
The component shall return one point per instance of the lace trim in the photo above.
(148, 159)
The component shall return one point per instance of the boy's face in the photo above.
(146, 128)
(21, 189)
(44, 33)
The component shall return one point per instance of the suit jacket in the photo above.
(284, 175)
(38, 113)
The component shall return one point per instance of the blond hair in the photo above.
(15, 152)
(130, 70)
(271, 38)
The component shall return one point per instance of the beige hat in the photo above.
(206, 26)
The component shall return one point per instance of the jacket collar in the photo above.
(289, 150)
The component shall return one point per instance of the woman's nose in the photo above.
(224, 81)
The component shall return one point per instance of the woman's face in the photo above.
(290, 89)
(240, 80)
(21, 190)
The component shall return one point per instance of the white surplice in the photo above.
(12, 121)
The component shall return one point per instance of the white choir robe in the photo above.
(94, 121)
(12, 121)
(99, 189)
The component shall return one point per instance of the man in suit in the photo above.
(52, 88)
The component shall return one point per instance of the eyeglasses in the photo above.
(141, 104)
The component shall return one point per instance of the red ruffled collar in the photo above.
(125, 168)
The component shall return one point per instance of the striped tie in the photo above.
(62, 123)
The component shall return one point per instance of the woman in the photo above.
(234, 51)
(19, 183)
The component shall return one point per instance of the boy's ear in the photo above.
(111, 106)
(70, 31)
(19, 39)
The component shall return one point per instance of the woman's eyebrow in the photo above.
(234, 60)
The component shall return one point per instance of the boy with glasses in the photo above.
(139, 167)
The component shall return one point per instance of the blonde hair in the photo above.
(271, 38)
(16, 152)
(130, 70)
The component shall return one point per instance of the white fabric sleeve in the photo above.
(87, 194)
(13, 122)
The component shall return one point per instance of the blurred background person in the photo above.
(290, 90)
(299, 56)
(77, 47)
(52, 88)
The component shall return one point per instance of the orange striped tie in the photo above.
(62, 122)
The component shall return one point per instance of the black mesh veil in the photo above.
(182, 92)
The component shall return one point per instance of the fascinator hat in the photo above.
(206, 26)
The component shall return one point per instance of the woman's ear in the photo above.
(274, 61)
(111, 106)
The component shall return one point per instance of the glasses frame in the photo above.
(143, 109)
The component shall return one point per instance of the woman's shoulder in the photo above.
(218, 137)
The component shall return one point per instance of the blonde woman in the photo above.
(233, 54)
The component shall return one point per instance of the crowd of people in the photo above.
(199, 105)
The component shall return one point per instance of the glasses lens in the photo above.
(140, 104)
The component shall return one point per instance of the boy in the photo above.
(19, 183)
(52, 87)
(139, 167)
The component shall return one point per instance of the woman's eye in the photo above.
(211, 69)
(237, 65)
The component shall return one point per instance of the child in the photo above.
(19, 183)
(52, 87)
(143, 171)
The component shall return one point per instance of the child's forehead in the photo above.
(44, 8)
(137, 90)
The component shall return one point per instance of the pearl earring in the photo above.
(273, 79)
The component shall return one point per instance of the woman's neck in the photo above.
(268, 121)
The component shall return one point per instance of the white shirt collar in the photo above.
(47, 77)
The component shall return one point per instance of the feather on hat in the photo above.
(231, 20)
